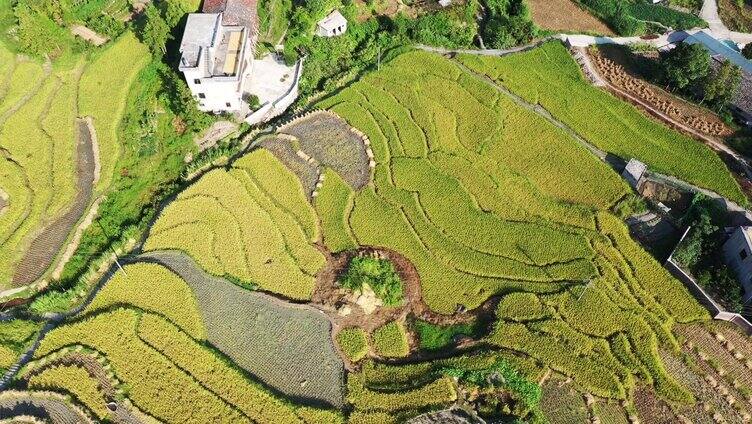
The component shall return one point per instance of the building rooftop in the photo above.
(332, 21)
(210, 44)
(634, 171)
(200, 29)
(718, 48)
(235, 12)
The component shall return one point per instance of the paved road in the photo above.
(709, 12)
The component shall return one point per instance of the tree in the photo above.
(721, 86)
(155, 32)
(747, 51)
(685, 65)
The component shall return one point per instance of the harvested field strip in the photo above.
(552, 73)
(54, 407)
(114, 68)
(212, 372)
(46, 245)
(136, 364)
(706, 395)
(279, 343)
(152, 288)
(330, 141)
(709, 345)
(565, 15)
(333, 205)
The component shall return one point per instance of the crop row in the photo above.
(152, 288)
(137, 365)
(214, 373)
(333, 204)
(76, 381)
(160, 365)
(437, 393)
(237, 223)
(114, 69)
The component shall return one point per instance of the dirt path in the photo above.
(89, 35)
(46, 246)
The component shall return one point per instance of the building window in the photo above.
(197, 81)
(201, 95)
(227, 104)
(743, 254)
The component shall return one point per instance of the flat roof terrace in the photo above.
(228, 52)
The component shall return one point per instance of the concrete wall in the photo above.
(738, 256)
(715, 309)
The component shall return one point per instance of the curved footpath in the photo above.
(709, 12)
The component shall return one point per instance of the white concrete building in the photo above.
(333, 25)
(737, 252)
(217, 53)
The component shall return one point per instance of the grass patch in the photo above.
(390, 340)
(354, 343)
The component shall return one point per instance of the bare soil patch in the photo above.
(652, 409)
(565, 15)
(46, 245)
(333, 143)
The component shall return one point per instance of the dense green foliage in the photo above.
(378, 274)
(436, 337)
(629, 17)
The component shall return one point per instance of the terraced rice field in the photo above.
(47, 175)
(252, 223)
(149, 341)
(485, 198)
(501, 212)
(556, 82)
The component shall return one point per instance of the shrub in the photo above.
(435, 337)
(390, 340)
(378, 274)
(353, 342)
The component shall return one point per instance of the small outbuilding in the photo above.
(333, 25)
(633, 172)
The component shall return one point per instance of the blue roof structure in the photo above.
(719, 48)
